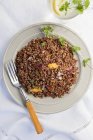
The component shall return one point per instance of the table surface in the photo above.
(15, 15)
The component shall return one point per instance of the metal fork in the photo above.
(11, 70)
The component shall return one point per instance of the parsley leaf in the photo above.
(65, 7)
(87, 2)
(47, 30)
(75, 48)
(61, 40)
(43, 44)
(85, 61)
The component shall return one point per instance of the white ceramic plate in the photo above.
(49, 105)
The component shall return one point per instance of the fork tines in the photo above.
(11, 69)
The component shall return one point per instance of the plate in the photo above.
(49, 105)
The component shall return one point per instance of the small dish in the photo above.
(65, 9)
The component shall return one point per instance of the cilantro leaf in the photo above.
(43, 44)
(65, 6)
(85, 61)
(76, 48)
(87, 2)
(62, 8)
(80, 8)
(47, 30)
(81, 5)
(61, 40)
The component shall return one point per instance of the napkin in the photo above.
(15, 123)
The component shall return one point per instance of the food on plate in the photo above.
(47, 67)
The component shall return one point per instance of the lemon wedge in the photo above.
(56, 5)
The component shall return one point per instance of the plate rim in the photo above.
(45, 23)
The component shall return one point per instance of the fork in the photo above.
(11, 70)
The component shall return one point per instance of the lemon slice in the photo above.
(55, 5)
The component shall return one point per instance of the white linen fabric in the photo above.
(15, 123)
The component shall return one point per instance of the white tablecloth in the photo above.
(15, 123)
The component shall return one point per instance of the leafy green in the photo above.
(80, 8)
(61, 40)
(47, 30)
(43, 44)
(85, 61)
(65, 6)
(74, 1)
(80, 5)
(62, 8)
(76, 48)
(87, 2)
(77, 1)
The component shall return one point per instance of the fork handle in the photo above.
(34, 118)
(32, 112)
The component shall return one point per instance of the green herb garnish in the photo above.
(87, 2)
(81, 5)
(65, 7)
(85, 61)
(80, 8)
(47, 30)
(76, 48)
(61, 40)
(43, 44)
(77, 1)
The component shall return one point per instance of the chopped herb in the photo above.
(80, 8)
(87, 2)
(76, 48)
(77, 1)
(61, 40)
(43, 44)
(81, 5)
(85, 61)
(62, 8)
(47, 30)
(65, 7)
